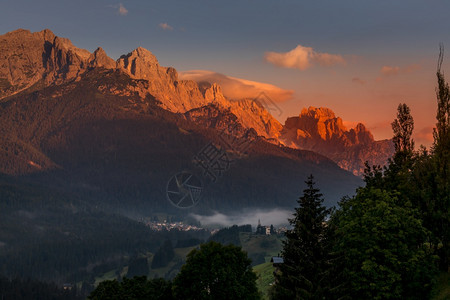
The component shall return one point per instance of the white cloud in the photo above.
(275, 217)
(237, 88)
(165, 26)
(122, 10)
(303, 58)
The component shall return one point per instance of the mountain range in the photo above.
(118, 130)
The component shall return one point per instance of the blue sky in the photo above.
(386, 51)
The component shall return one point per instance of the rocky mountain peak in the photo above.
(140, 63)
(214, 93)
(322, 113)
(319, 130)
(25, 34)
(23, 60)
(38, 58)
(64, 43)
(47, 34)
(144, 54)
(319, 123)
(100, 59)
(360, 135)
(361, 128)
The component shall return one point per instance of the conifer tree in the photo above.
(430, 177)
(397, 173)
(441, 162)
(403, 128)
(305, 251)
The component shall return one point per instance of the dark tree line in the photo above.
(25, 289)
(230, 235)
(213, 271)
(138, 287)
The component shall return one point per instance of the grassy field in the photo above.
(260, 248)
(265, 278)
(111, 275)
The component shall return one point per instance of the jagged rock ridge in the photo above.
(43, 58)
(319, 130)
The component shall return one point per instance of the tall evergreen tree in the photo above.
(441, 162)
(397, 173)
(442, 131)
(403, 128)
(305, 250)
(430, 183)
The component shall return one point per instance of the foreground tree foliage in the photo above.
(422, 177)
(305, 252)
(388, 240)
(384, 248)
(395, 232)
(137, 288)
(216, 272)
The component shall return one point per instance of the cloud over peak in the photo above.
(303, 58)
(237, 88)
